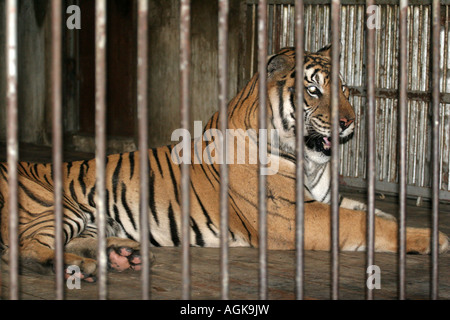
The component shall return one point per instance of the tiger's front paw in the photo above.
(419, 241)
(124, 254)
(123, 258)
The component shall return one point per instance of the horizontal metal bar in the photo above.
(393, 94)
(351, 2)
(392, 188)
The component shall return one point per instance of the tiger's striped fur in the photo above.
(122, 183)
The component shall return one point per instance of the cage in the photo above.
(126, 74)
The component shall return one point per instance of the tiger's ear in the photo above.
(325, 51)
(278, 63)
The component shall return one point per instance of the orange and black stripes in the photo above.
(123, 181)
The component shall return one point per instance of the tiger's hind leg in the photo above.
(37, 229)
(352, 232)
(40, 258)
(36, 250)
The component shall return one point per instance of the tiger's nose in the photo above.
(345, 123)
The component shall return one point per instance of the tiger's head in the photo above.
(316, 102)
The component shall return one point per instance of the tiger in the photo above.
(36, 186)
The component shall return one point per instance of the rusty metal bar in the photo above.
(100, 141)
(335, 52)
(350, 2)
(142, 99)
(12, 144)
(300, 124)
(393, 94)
(185, 55)
(436, 17)
(371, 148)
(262, 123)
(56, 77)
(402, 105)
(223, 123)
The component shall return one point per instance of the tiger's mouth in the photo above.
(326, 143)
(322, 143)
(319, 143)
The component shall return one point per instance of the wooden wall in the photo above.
(33, 61)
(2, 72)
(164, 64)
(34, 49)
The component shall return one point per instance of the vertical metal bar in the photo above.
(100, 141)
(300, 123)
(402, 105)
(12, 144)
(335, 51)
(57, 145)
(223, 122)
(435, 98)
(370, 82)
(262, 123)
(142, 81)
(185, 55)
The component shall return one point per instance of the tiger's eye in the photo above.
(313, 90)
